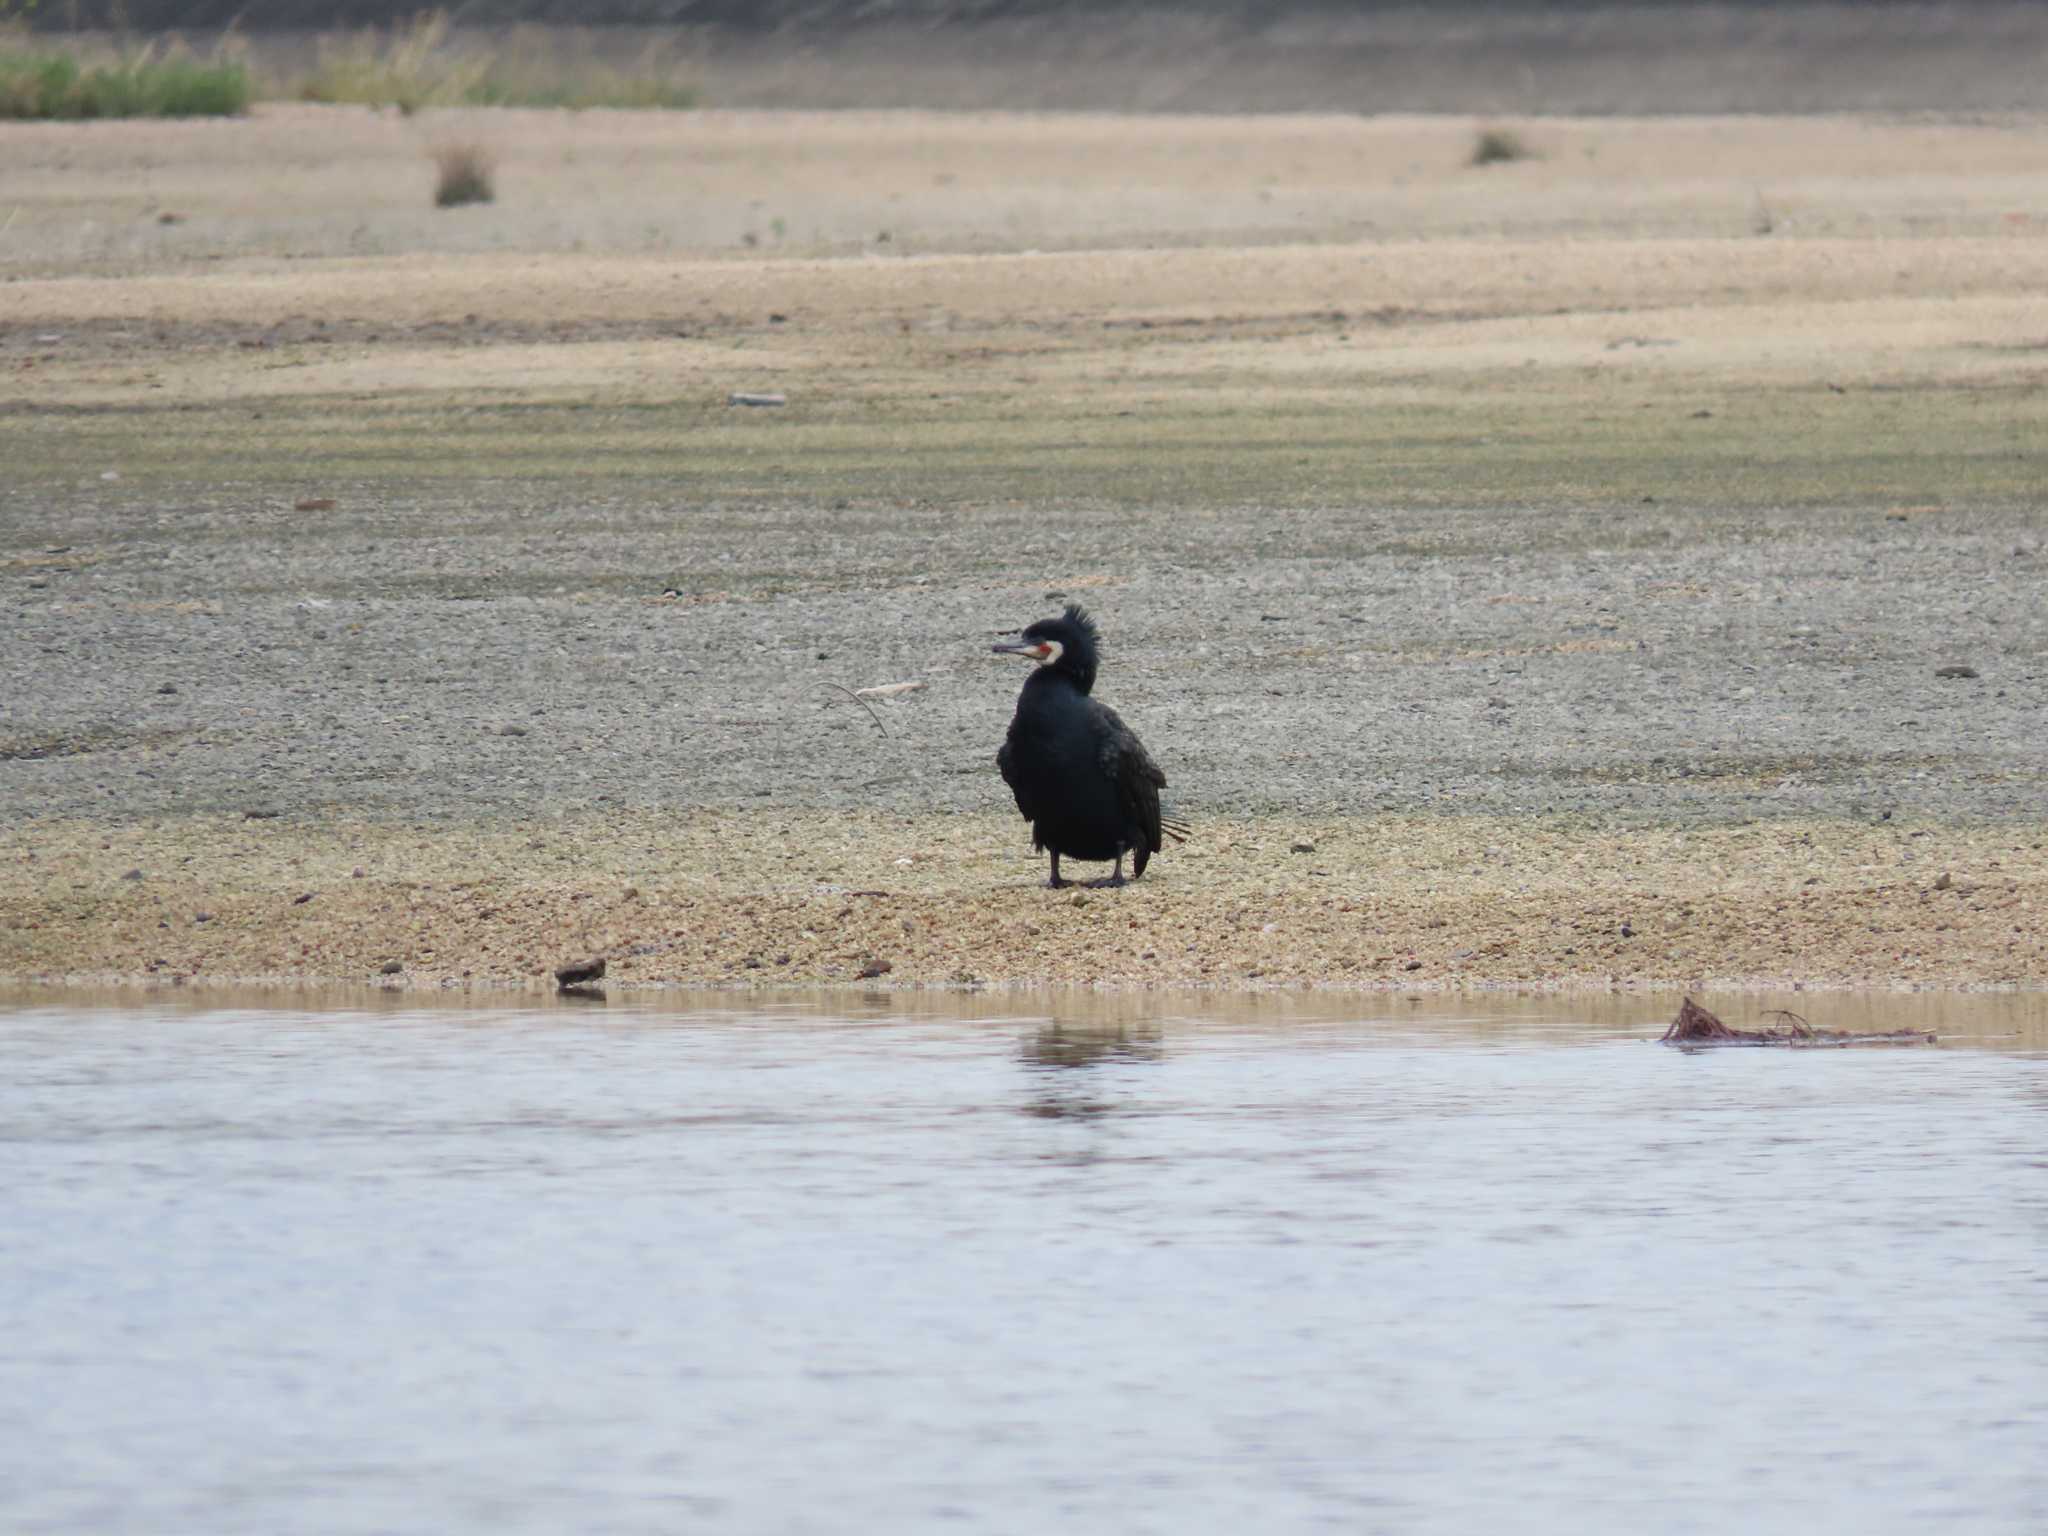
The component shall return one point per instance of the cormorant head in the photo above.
(1067, 644)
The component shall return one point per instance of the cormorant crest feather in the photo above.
(1081, 646)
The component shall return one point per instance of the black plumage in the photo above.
(1081, 777)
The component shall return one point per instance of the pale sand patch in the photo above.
(1087, 325)
(773, 898)
(1318, 250)
(307, 181)
(1453, 279)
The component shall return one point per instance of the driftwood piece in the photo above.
(581, 973)
(1696, 1027)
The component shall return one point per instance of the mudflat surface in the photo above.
(1678, 481)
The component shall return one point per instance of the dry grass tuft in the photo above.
(1497, 145)
(423, 63)
(465, 175)
(404, 69)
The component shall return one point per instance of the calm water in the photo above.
(1364, 1266)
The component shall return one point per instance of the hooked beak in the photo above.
(1037, 650)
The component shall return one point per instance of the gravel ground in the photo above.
(1659, 664)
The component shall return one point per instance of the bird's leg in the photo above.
(1113, 880)
(1055, 882)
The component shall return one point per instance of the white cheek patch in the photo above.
(1049, 651)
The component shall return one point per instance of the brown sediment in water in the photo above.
(796, 898)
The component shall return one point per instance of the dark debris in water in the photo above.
(1695, 1027)
(580, 973)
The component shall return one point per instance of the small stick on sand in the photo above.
(863, 703)
(889, 690)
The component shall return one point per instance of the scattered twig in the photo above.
(889, 690)
(863, 703)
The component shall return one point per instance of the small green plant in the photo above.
(465, 175)
(1495, 145)
(153, 82)
(1761, 220)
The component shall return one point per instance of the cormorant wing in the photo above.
(1137, 778)
(1006, 762)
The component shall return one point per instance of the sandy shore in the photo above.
(754, 899)
(1642, 535)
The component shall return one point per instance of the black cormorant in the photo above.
(1081, 777)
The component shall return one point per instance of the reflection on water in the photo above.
(1059, 1046)
(1059, 1050)
(883, 1261)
